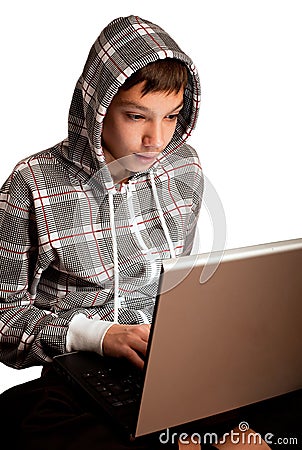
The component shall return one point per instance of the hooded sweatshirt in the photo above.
(79, 251)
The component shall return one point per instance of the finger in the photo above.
(136, 359)
(139, 346)
(127, 341)
(143, 331)
(135, 350)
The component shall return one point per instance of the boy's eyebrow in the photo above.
(126, 103)
(179, 106)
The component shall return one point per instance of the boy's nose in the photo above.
(153, 137)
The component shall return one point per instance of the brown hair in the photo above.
(164, 75)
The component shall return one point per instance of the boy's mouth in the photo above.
(148, 157)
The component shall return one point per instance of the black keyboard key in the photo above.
(115, 390)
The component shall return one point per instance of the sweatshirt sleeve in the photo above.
(31, 335)
(86, 334)
(22, 324)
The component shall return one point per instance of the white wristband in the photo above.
(86, 334)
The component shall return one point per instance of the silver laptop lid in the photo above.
(227, 342)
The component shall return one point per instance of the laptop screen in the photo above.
(227, 342)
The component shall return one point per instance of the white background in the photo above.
(249, 138)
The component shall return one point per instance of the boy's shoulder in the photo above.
(32, 172)
(41, 158)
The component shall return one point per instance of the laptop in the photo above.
(218, 342)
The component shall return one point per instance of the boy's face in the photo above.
(137, 128)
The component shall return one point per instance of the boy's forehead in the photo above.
(134, 94)
(135, 97)
(127, 97)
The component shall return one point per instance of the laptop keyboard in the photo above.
(115, 390)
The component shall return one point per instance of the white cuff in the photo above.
(86, 334)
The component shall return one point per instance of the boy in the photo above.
(85, 224)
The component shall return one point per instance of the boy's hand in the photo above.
(128, 341)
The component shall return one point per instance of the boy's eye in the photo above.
(135, 116)
(172, 116)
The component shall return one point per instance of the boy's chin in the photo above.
(126, 166)
(137, 163)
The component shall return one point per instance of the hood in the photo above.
(126, 45)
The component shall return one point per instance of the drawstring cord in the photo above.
(161, 216)
(114, 239)
(115, 257)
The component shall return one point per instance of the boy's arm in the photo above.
(31, 335)
(24, 327)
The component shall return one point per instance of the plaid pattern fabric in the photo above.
(56, 238)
